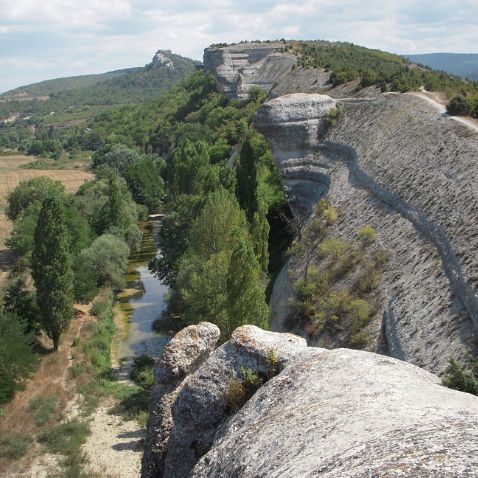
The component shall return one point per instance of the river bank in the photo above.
(115, 445)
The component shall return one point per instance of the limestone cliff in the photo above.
(394, 163)
(339, 413)
(240, 67)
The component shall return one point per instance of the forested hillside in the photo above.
(48, 87)
(82, 97)
(191, 154)
(348, 62)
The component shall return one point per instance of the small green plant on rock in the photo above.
(367, 235)
(462, 377)
(239, 391)
(332, 116)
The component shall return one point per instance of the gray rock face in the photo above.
(240, 67)
(294, 125)
(346, 413)
(201, 406)
(161, 58)
(331, 413)
(188, 349)
(393, 163)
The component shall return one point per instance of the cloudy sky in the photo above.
(43, 39)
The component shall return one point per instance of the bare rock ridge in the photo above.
(241, 67)
(391, 162)
(338, 413)
(388, 164)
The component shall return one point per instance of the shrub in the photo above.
(142, 371)
(334, 247)
(360, 339)
(459, 378)
(65, 438)
(235, 395)
(367, 235)
(368, 281)
(100, 307)
(332, 116)
(43, 408)
(14, 446)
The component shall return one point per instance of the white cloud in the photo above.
(98, 35)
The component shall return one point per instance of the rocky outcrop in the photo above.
(161, 59)
(333, 413)
(293, 125)
(393, 163)
(183, 355)
(202, 406)
(240, 67)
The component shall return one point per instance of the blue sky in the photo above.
(43, 39)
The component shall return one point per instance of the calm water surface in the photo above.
(143, 301)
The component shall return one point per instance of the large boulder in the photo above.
(202, 405)
(346, 413)
(186, 351)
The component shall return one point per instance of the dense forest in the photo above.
(191, 154)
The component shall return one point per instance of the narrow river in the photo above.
(142, 302)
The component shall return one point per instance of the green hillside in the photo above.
(89, 96)
(48, 87)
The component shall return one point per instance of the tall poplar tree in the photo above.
(51, 269)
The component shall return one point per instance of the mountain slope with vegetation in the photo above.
(48, 87)
(82, 97)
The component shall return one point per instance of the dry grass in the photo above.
(51, 378)
(12, 162)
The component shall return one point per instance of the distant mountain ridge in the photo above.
(57, 85)
(83, 96)
(461, 64)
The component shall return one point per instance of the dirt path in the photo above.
(441, 108)
(51, 378)
(115, 447)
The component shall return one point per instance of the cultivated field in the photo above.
(11, 175)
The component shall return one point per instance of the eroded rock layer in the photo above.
(393, 163)
(240, 67)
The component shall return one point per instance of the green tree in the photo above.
(260, 234)
(188, 168)
(145, 183)
(22, 301)
(107, 258)
(51, 269)
(17, 360)
(246, 302)
(31, 191)
(247, 173)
